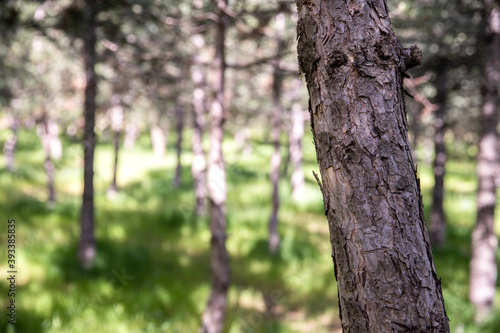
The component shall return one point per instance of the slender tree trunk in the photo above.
(159, 141)
(199, 166)
(116, 142)
(274, 238)
(215, 312)
(354, 67)
(87, 249)
(415, 111)
(437, 225)
(178, 145)
(46, 137)
(296, 136)
(116, 113)
(9, 147)
(483, 268)
(131, 134)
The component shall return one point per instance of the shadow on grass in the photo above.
(137, 277)
(26, 322)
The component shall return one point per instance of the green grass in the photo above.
(152, 269)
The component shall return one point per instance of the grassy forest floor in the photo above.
(152, 268)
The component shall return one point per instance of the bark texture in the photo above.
(354, 68)
(483, 268)
(274, 238)
(437, 225)
(215, 312)
(199, 167)
(87, 248)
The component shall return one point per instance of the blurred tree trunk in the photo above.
(483, 268)
(296, 136)
(415, 111)
(87, 248)
(53, 150)
(179, 110)
(9, 147)
(116, 114)
(274, 238)
(159, 141)
(437, 225)
(215, 312)
(199, 166)
(131, 135)
(354, 67)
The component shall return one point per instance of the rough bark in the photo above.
(179, 110)
(215, 312)
(274, 238)
(87, 248)
(483, 269)
(437, 225)
(354, 67)
(199, 166)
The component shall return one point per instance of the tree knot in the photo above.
(412, 57)
(336, 59)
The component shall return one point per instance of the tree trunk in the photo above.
(9, 147)
(274, 238)
(437, 225)
(159, 141)
(415, 111)
(179, 110)
(215, 312)
(47, 143)
(116, 114)
(354, 67)
(483, 269)
(296, 136)
(199, 166)
(87, 249)
(131, 135)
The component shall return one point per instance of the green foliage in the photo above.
(152, 268)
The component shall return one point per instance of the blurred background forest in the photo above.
(157, 80)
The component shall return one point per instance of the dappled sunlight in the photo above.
(153, 85)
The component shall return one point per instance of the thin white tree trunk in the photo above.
(159, 141)
(179, 110)
(274, 238)
(215, 312)
(199, 166)
(296, 136)
(483, 268)
(9, 147)
(116, 115)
